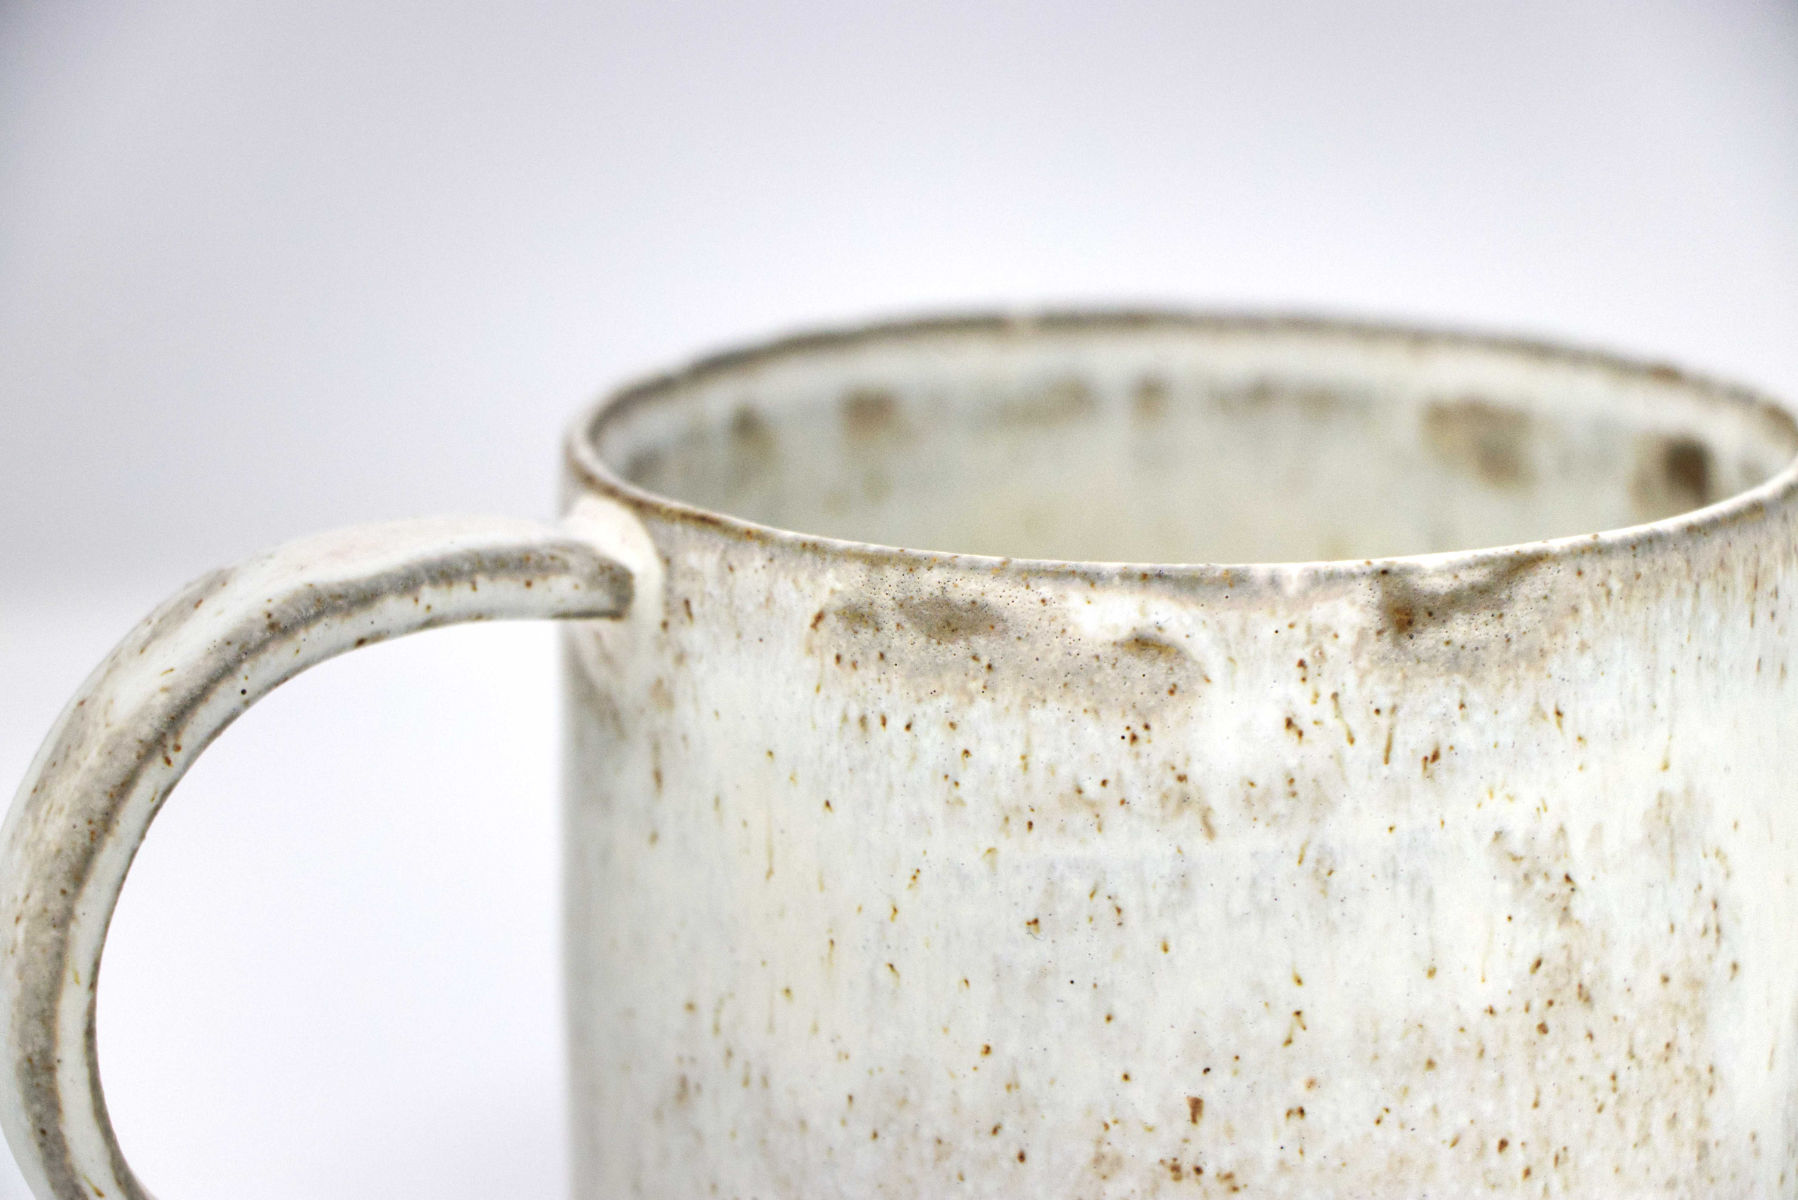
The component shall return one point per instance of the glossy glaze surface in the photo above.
(901, 874)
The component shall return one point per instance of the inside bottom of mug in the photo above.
(1169, 439)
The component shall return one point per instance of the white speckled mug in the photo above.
(1365, 865)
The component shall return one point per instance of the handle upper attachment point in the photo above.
(142, 718)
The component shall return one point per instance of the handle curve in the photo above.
(141, 719)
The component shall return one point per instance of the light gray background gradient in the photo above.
(269, 268)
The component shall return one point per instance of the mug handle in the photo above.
(142, 718)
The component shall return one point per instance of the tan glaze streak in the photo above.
(1421, 606)
(871, 412)
(1491, 440)
(946, 619)
(1672, 474)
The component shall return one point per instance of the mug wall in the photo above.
(898, 876)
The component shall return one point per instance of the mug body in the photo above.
(1449, 849)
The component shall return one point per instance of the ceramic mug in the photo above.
(1198, 811)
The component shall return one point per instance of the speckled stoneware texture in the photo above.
(1389, 867)
(143, 717)
(911, 874)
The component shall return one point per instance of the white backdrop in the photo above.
(266, 268)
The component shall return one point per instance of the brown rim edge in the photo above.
(1746, 507)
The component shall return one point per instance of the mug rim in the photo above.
(1747, 507)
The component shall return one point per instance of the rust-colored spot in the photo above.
(1195, 1108)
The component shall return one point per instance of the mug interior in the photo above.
(1154, 438)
